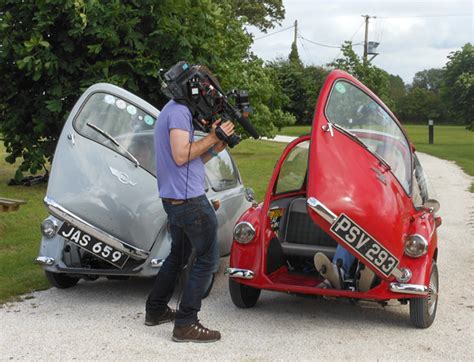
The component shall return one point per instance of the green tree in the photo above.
(430, 79)
(52, 50)
(263, 14)
(294, 57)
(420, 105)
(397, 90)
(300, 85)
(458, 86)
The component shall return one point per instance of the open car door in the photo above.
(359, 174)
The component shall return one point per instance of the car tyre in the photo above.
(61, 281)
(423, 310)
(243, 296)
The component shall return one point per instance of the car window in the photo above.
(129, 125)
(221, 172)
(293, 171)
(420, 186)
(352, 109)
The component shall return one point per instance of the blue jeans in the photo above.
(193, 227)
(346, 258)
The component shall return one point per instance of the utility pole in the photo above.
(296, 31)
(367, 17)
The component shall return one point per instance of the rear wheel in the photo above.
(61, 281)
(242, 295)
(423, 310)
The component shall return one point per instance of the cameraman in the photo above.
(192, 220)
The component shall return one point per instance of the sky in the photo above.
(413, 35)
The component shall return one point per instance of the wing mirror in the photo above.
(250, 196)
(432, 206)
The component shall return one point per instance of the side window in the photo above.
(130, 126)
(221, 172)
(420, 187)
(293, 171)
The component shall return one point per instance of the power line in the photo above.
(320, 44)
(424, 16)
(275, 32)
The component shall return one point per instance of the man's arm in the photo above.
(183, 151)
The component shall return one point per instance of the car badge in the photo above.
(122, 177)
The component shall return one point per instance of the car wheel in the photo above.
(61, 281)
(242, 295)
(423, 310)
(208, 291)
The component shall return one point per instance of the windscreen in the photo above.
(355, 111)
(127, 124)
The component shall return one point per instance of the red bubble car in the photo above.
(353, 187)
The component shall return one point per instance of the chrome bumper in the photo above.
(239, 273)
(44, 260)
(63, 214)
(409, 288)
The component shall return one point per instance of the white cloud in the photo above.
(411, 36)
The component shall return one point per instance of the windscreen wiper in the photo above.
(356, 139)
(114, 141)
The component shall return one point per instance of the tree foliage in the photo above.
(263, 14)
(458, 86)
(53, 50)
(300, 87)
(420, 105)
(430, 79)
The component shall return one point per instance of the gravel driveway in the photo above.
(104, 319)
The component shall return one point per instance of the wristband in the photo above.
(212, 152)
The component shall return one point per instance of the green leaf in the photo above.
(55, 105)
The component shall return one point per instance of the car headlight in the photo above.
(416, 246)
(49, 228)
(244, 232)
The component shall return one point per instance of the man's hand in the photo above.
(227, 127)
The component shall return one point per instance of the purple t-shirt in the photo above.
(171, 177)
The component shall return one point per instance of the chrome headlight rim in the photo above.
(419, 239)
(238, 238)
(49, 228)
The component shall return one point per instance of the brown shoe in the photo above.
(195, 333)
(154, 319)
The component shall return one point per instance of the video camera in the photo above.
(195, 88)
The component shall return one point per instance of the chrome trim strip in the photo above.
(321, 210)
(157, 263)
(409, 288)
(239, 273)
(44, 260)
(60, 212)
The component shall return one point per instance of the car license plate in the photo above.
(364, 245)
(93, 245)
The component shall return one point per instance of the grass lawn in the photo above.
(20, 236)
(450, 143)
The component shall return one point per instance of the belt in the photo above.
(179, 201)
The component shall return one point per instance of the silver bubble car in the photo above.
(106, 218)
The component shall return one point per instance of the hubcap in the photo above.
(432, 294)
